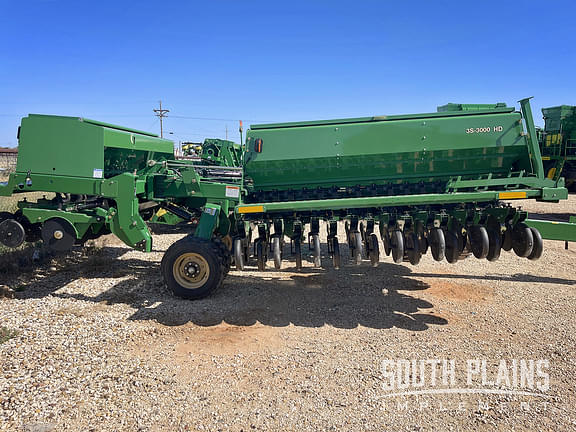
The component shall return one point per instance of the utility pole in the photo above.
(161, 113)
(226, 132)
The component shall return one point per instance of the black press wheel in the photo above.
(507, 238)
(412, 247)
(397, 245)
(522, 240)
(437, 243)
(261, 255)
(374, 250)
(452, 246)
(277, 252)
(192, 268)
(316, 250)
(12, 233)
(298, 253)
(58, 234)
(336, 259)
(357, 247)
(422, 239)
(238, 250)
(385, 236)
(494, 239)
(478, 240)
(538, 247)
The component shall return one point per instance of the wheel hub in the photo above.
(191, 270)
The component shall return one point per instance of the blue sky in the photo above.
(276, 61)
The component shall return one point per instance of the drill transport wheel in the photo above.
(192, 268)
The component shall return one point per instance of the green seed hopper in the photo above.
(108, 178)
(439, 181)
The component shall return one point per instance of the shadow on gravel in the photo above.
(518, 277)
(346, 298)
(352, 296)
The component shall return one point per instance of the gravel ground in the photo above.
(102, 345)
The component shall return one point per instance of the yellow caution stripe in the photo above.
(511, 195)
(250, 209)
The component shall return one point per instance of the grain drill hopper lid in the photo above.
(455, 110)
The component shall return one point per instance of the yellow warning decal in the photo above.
(251, 209)
(161, 212)
(511, 195)
(545, 157)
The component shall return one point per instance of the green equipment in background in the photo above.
(558, 143)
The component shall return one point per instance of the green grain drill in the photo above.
(403, 185)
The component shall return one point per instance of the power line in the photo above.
(218, 119)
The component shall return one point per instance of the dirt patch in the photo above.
(225, 339)
(219, 340)
(460, 291)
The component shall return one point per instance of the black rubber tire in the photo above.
(452, 247)
(478, 241)
(277, 252)
(397, 245)
(209, 251)
(238, 250)
(298, 253)
(538, 247)
(412, 247)
(357, 249)
(522, 240)
(58, 224)
(336, 258)
(224, 253)
(12, 233)
(261, 256)
(437, 243)
(374, 250)
(385, 237)
(316, 251)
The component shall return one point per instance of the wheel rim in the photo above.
(191, 270)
